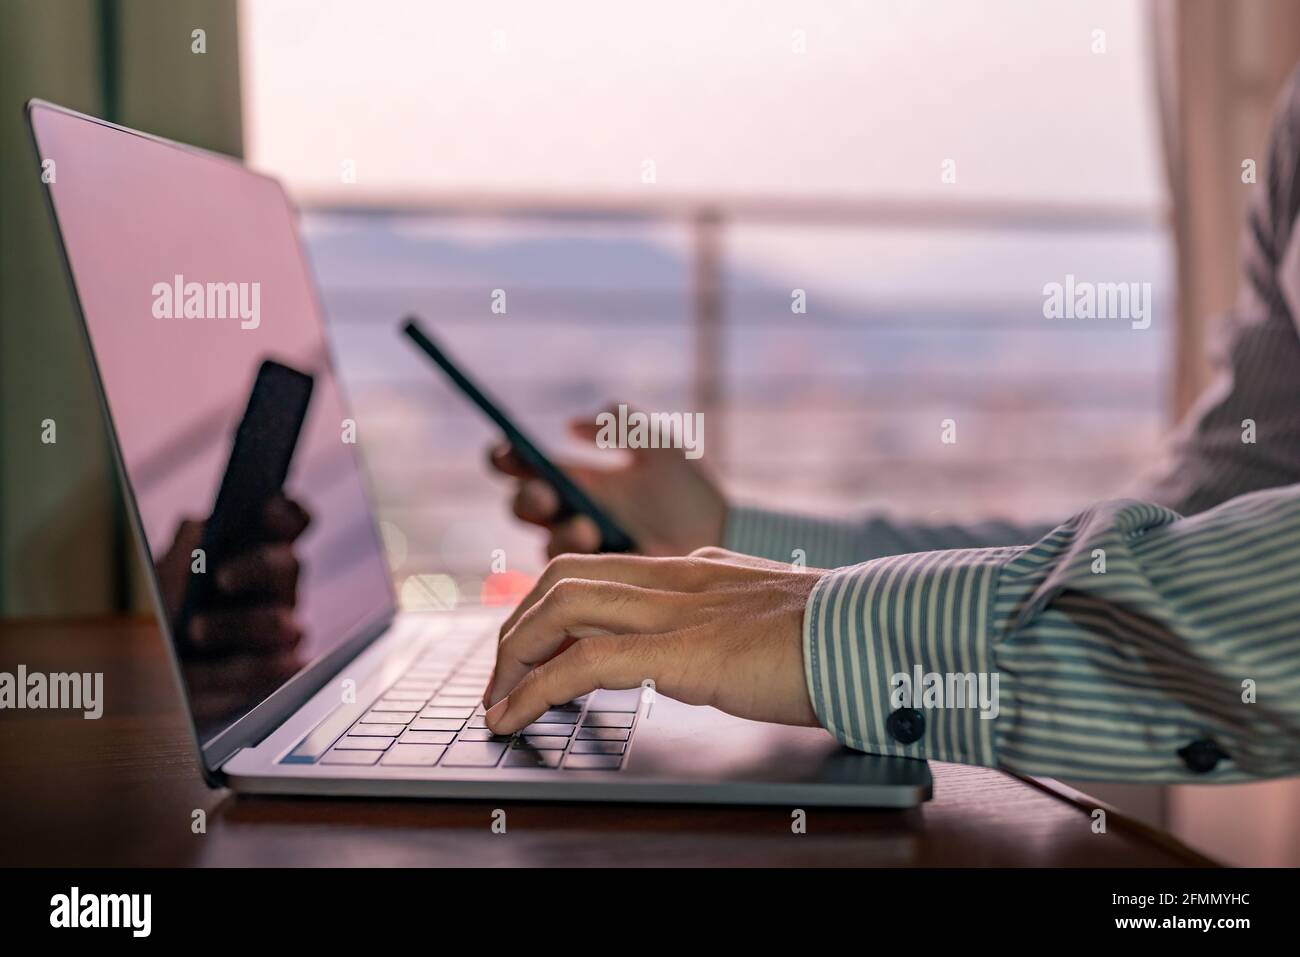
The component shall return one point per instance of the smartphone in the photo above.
(260, 455)
(573, 500)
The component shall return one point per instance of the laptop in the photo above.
(213, 365)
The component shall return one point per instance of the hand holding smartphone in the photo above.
(260, 455)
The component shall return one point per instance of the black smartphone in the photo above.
(573, 500)
(260, 455)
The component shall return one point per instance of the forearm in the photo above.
(1127, 644)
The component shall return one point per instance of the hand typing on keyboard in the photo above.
(713, 628)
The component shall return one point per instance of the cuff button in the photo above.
(1202, 755)
(906, 725)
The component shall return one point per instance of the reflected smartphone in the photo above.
(573, 500)
(259, 461)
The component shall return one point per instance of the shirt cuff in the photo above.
(898, 655)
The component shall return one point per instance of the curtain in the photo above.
(1217, 69)
(65, 546)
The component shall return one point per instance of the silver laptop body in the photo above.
(370, 701)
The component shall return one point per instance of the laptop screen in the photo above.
(239, 450)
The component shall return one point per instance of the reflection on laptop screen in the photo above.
(209, 344)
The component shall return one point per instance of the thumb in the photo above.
(584, 429)
(589, 429)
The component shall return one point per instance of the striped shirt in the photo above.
(1149, 639)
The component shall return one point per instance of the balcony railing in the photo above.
(708, 218)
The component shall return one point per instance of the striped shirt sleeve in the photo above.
(1127, 644)
(831, 543)
(1257, 358)
(1208, 460)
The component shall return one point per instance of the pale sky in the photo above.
(574, 95)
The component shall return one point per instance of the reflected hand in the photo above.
(245, 640)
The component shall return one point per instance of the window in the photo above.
(609, 168)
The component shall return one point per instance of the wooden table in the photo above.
(122, 790)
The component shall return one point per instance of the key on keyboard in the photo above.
(528, 758)
(432, 715)
(474, 754)
(414, 755)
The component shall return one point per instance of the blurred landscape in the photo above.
(836, 411)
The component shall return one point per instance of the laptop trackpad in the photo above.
(703, 745)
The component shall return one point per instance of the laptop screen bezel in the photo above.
(276, 707)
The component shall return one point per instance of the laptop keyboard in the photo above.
(433, 716)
